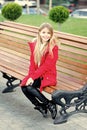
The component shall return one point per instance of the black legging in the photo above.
(33, 94)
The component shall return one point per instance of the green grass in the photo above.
(72, 25)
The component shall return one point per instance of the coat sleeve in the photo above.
(50, 61)
(32, 63)
(31, 66)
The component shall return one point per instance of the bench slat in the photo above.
(71, 61)
(4, 53)
(71, 72)
(13, 67)
(73, 55)
(14, 35)
(14, 52)
(11, 72)
(73, 44)
(14, 61)
(18, 30)
(71, 37)
(70, 78)
(74, 68)
(77, 50)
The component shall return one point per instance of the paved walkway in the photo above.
(17, 113)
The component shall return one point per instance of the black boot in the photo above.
(53, 109)
(41, 108)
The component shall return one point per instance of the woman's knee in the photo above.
(24, 89)
(30, 88)
(54, 96)
(27, 89)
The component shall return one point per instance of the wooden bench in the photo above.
(71, 65)
(14, 55)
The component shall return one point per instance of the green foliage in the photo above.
(12, 11)
(59, 14)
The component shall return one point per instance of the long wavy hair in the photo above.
(47, 47)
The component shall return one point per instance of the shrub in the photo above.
(12, 11)
(59, 14)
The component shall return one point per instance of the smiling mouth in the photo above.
(46, 37)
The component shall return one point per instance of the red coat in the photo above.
(46, 69)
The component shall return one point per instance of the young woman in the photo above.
(42, 70)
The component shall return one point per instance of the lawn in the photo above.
(72, 25)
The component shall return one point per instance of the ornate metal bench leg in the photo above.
(61, 119)
(10, 85)
(68, 99)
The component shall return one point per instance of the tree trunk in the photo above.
(59, 26)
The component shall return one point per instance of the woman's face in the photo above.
(45, 35)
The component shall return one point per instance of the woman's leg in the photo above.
(35, 96)
(33, 99)
(47, 104)
(36, 93)
(30, 96)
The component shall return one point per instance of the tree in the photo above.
(12, 11)
(59, 14)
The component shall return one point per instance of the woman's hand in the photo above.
(29, 81)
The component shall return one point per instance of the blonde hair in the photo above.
(47, 47)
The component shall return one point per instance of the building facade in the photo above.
(82, 3)
(78, 3)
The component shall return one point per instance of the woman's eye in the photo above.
(45, 32)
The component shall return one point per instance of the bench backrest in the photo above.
(14, 55)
